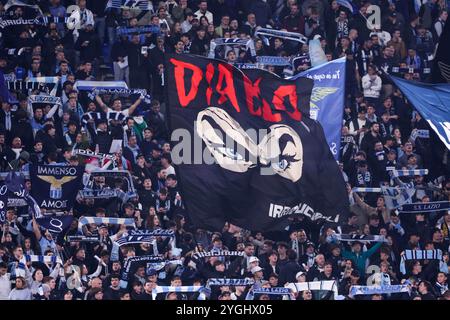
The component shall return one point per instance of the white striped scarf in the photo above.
(362, 189)
(103, 220)
(112, 115)
(221, 253)
(229, 282)
(273, 61)
(85, 85)
(133, 4)
(263, 33)
(38, 258)
(231, 42)
(386, 289)
(409, 173)
(326, 285)
(435, 254)
(166, 289)
(269, 291)
(356, 237)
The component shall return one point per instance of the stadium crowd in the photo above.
(379, 131)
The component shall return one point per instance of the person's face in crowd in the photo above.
(375, 40)
(38, 276)
(231, 56)
(447, 216)
(441, 278)
(234, 24)
(147, 184)
(307, 295)
(176, 282)
(148, 135)
(81, 255)
(320, 260)
(356, 247)
(52, 284)
(384, 267)
(172, 296)
(16, 143)
(378, 146)
(179, 47)
(99, 295)
(38, 147)
(96, 283)
(251, 18)
(278, 43)
(417, 268)
(345, 43)
(27, 243)
(137, 288)
(68, 295)
(353, 220)
(444, 16)
(376, 128)
(328, 269)
(377, 297)
(20, 284)
(437, 236)
(366, 229)
(294, 9)
(423, 289)
(385, 118)
(18, 253)
(135, 39)
(342, 16)
(203, 6)
(148, 287)
(249, 250)
(412, 161)
(353, 34)
(155, 220)
(273, 258)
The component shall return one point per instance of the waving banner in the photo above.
(327, 99)
(245, 149)
(55, 187)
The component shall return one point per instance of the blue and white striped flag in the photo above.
(395, 197)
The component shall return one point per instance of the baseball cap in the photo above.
(256, 269)
(253, 259)
(299, 274)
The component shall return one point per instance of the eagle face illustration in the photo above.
(281, 149)
(56, 184)
(320, 93)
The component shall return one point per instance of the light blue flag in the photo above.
(327, 99)
(432, 102)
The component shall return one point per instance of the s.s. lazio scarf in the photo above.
(96, 116)
(386, 289)
(270, 291)
(424, 207)
(121, 92)
(85, 85)
(273, 61)
(265, 33)
(185, 289)
(144, 5)
(326, 285)
(219, 253)
(124, 31)
(133, 260)
(435, 254)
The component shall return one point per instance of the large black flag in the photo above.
(270, 160)
(55, 186)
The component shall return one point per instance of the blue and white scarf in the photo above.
(132, 260)
(273, 61)
(367, 190)
(130, 4)
(121, 92)
(248, 43)
(229, 282)
(166, 289)
(409, 173)
(85, 85)
(425, 207)
(96, 116)
(265, 33)
(326, 285)
(435, 254)
(386, 289)
(395, 197)
(356, 237)
(270, 291)
(103, 220)
(219, 253)
(138, 30)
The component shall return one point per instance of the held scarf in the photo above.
(103, 220)
(130, 4)
(229, 282)
(124, 31)
(248, 43)
(113, 115)
(273, 61)
(45, 84)
(362, 189)
(356, 237)
(38, 99)
(425, 207)
(132, 260)
(395, 197)
(264, 33)
(409, 173)
(167, 289)
(435, 254)
(85, 85)
(326, 285)
(38, 258)
(386, 289)
(121, 92)
(270, 291)
(221, 253)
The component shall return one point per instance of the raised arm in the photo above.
(36, 230)
(134, 106)
(101, 103)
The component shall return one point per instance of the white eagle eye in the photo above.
(229, 152)
(283, 164)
